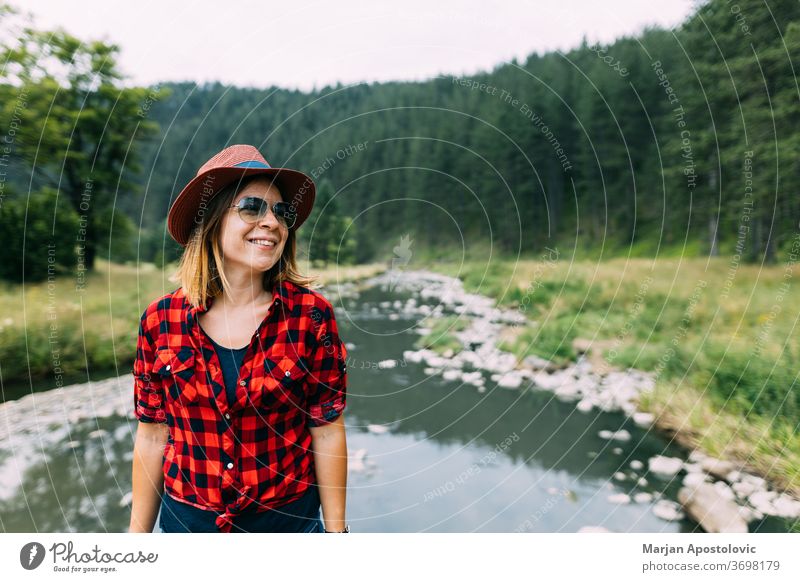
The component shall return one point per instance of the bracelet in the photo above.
(345, 530)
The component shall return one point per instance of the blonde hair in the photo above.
(200, 272)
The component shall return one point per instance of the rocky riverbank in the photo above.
(718, 494)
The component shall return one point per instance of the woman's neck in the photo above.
(246, 289)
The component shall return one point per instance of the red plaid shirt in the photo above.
(258, 451)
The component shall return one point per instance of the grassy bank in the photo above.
(720, 337)
(53, 334)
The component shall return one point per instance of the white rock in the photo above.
(619, 476)
(620, 498)
(724, 490)
(637, 465)
(757, 482)
(694, 479)
(743, 489)
(667, 510)
(620, 435)
(451, 375)
(644, 419)
(762, 501)
(787, 507)
(377, 428)
(716, 467)
(697, 456)
(733, 476)
(643, 497)
(667, 466)
(475, 378)
(387, 364)
(355, 461)
(714, 513)
(510, 381)
(749, 514)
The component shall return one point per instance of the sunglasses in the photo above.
(253, 209)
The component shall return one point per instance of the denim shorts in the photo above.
(299, 516)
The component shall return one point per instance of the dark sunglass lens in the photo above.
(283, 211)
(252, 209)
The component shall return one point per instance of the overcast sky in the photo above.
(306, 44)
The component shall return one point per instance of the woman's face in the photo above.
(257, 246)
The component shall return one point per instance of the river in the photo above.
(428, 454)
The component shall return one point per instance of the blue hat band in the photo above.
(251, 164)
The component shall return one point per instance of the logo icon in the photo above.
(400, 260)
(31, 555)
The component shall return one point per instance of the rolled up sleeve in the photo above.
(327, 376)
(148, 390)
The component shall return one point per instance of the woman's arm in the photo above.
(148, 475)
(329, 445)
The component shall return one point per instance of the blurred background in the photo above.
(618, 180)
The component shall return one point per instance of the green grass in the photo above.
(442, 337)
(53, 334)
(718, 348)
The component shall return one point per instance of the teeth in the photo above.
(263, 243)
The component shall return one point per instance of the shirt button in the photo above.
(228, 416)
(243, 383)
(230, 465)
(168, 367)
(287, 373)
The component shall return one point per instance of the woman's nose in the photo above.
(269, 220)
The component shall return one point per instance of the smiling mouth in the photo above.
(262, 243)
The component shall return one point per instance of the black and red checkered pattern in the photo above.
(258, 451)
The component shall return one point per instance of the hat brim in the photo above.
(187, 211)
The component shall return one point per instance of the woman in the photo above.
(239, 377)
